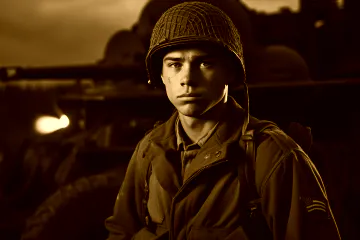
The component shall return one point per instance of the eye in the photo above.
(174, 65)
(207, 64)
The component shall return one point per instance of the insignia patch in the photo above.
(314, 205)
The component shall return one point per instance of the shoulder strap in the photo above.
(247, 142)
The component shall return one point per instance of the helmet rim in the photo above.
(153, 77)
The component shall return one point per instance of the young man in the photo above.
(189, 178)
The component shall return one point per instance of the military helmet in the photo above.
(192, 23)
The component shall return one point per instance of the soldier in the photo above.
(212, 171)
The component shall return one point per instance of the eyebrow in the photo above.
(176, 59)
(195, 58)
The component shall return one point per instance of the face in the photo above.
(196, 79)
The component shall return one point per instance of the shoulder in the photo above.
(278, 140)
(275, 148)
(297, 139)
(274, 145)
(279, 156)
(144, 143)
(269, 137)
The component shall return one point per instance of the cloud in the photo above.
(52, 32)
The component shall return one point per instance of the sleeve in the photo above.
(126, 222)
(294, 200)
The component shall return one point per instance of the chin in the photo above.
(191, 110)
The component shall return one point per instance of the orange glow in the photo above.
(49, 124)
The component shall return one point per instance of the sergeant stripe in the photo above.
(319, 202)
(316, 205)
(316, 208)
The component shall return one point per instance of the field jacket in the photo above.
(210, 201)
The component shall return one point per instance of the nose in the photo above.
(188, 76)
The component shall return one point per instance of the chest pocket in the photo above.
(158, 203)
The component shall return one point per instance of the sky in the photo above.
(64, 32)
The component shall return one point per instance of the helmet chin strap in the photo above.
(246, 107)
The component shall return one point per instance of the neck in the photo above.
(196, 127)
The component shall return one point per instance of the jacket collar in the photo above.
(183, 142)
(165, 135)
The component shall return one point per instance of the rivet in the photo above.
(207, 156)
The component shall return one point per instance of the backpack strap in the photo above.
(254, 224)
(247, 142)
(247, 171)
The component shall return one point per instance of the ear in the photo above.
(162, 78)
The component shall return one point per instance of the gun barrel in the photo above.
(95, 72)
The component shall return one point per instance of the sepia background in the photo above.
(74, 101)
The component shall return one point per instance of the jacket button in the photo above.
(207, 156)
(218, 153)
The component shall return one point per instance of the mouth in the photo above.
(190, 95)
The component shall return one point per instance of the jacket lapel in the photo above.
(165, 159)
(164, 167)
